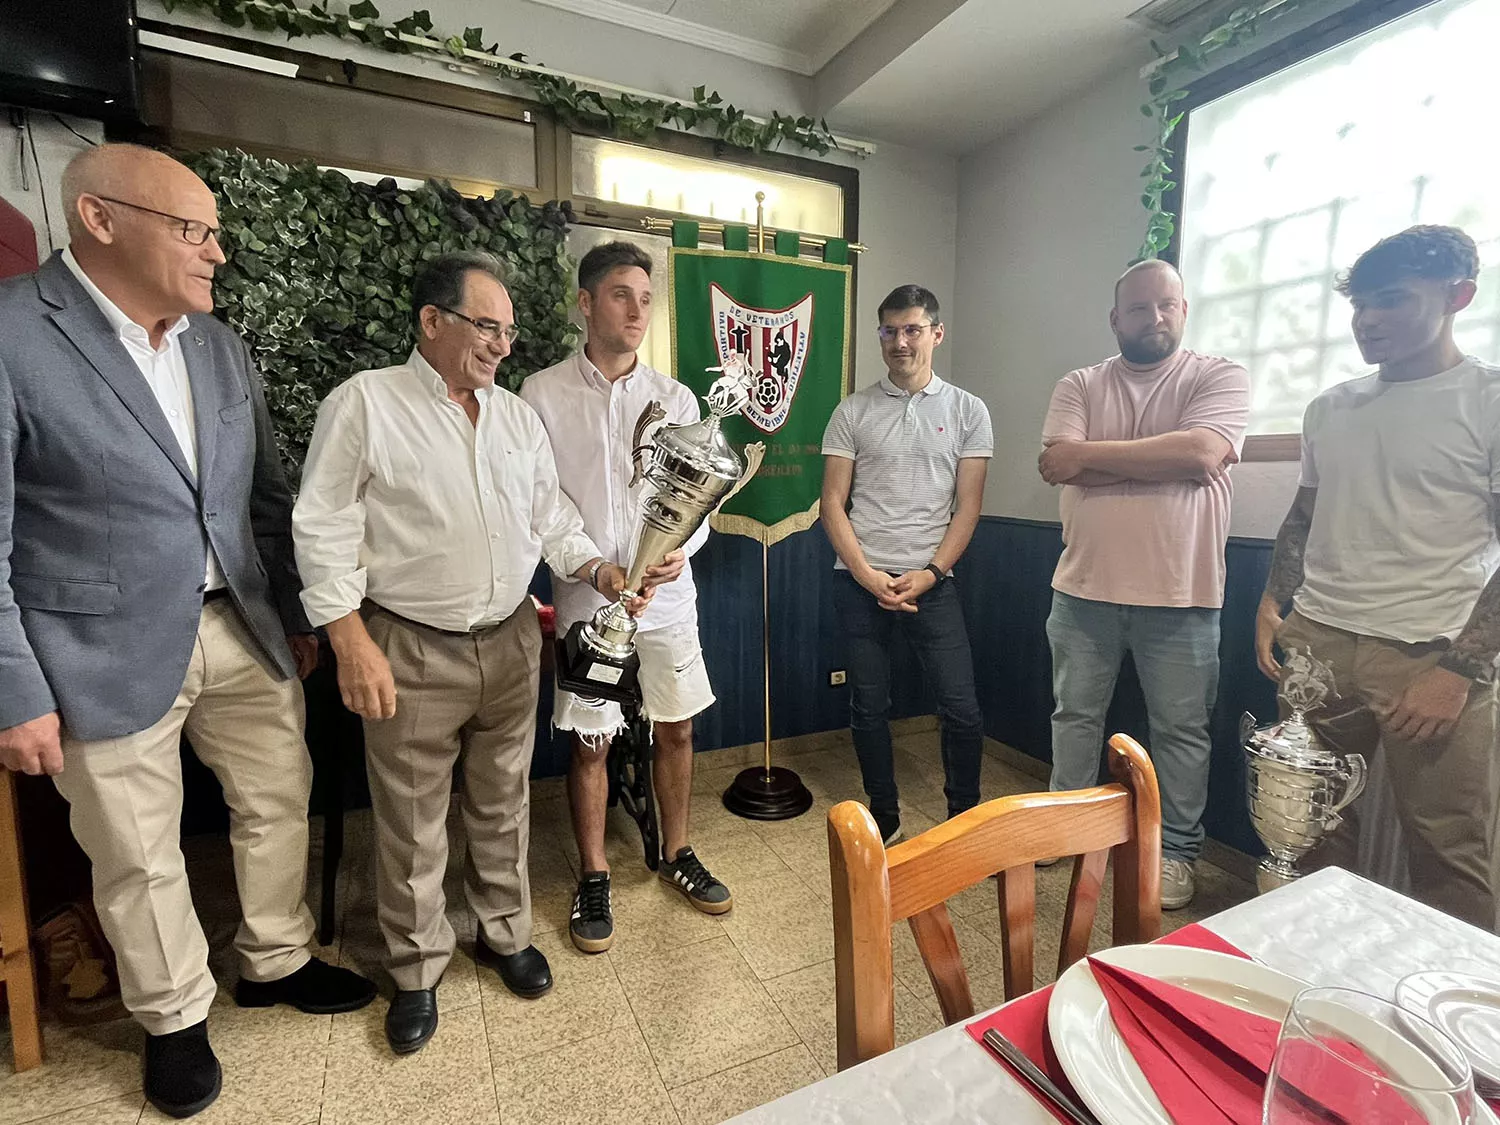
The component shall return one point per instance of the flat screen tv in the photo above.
(70, 56)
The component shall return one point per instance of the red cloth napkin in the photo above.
(1205, 1060)
(1024, 1021)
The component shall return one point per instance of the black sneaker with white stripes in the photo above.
(689, 876)
(593, 925)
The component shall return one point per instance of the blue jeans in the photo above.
(937, 634)
(1177, 658)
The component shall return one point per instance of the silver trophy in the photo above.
(693, 470)
(1295, 784)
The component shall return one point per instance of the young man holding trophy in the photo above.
(1389, 559)
(601, 408)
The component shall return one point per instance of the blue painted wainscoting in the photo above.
(806, 646)
(1005, 579)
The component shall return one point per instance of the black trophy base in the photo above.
(591, 676)
(761, 794)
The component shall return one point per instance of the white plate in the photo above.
(1093, 1055)
(1466, 1007)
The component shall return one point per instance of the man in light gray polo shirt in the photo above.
(903, 476)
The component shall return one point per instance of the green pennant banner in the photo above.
(790, 318)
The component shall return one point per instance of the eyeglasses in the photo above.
(194, 231)
(489, 330)
(908, 332)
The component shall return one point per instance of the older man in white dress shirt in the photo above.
(428, 498)
(590, 405)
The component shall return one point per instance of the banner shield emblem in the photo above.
(775, 341)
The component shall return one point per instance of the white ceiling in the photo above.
(938, 74)
(987, 67)
(796, 35)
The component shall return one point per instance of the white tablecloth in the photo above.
(1329, 928)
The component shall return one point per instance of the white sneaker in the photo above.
(1177, 884)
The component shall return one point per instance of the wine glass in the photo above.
(1347, 1056)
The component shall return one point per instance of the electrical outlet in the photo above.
(837, 679)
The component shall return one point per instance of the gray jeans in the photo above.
(1176, 655)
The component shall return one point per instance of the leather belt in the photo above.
(433, 628)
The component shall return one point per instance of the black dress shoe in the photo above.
(411, 1019)
(526, 973)
(182, 1076)
(318, 988)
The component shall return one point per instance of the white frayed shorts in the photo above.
(674, 686)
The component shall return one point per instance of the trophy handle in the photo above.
(755, 453)
(649, 417)
(1357, 773)
(1247, 727)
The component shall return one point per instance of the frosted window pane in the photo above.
(1296, 248)
(718, 190)
(1221, 325)
(1285, 382)
(1230, 263)
(1290, 314)
(1288, 180)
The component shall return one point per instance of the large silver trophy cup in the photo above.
(1296, 785)
(693, 470)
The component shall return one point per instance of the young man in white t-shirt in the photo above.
(591, 405)
(1389, 558)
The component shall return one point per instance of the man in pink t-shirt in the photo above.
(1142, 444)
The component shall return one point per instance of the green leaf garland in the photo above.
(619, 115)
(1167, 87)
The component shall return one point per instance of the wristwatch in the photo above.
(937, 572)
(594, 574)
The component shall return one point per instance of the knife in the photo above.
(1037, 1079)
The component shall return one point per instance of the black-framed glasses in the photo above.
(908, 332)
(489, 330)
(194, 231)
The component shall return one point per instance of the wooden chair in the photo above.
(874, 888)
(17, 972)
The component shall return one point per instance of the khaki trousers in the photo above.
(245, 724)
(1447, 793)
(468, 698)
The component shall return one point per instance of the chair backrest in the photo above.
(874, 887)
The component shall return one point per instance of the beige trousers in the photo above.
(1447, 793)
(460, 698)
(245, 724)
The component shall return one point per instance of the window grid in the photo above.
(1288, 179)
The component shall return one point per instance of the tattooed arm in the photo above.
(1284, 579)
(1433, 702)
(1473, 654)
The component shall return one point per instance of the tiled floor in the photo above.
(689, 1019)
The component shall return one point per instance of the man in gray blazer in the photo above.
(147, 588)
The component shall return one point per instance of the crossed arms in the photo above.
(1198, 451)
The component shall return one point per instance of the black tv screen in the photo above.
(71, 56)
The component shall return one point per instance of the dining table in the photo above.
(1328, 928)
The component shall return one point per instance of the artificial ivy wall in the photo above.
(318, 280)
